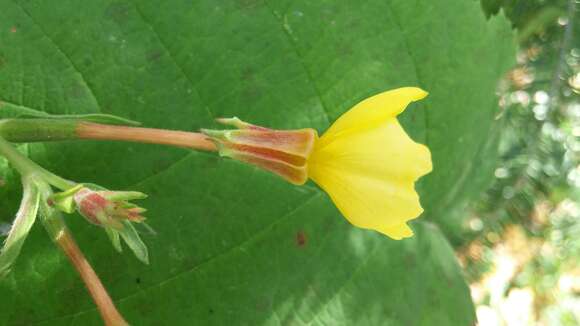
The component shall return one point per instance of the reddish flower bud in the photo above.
(108, 208)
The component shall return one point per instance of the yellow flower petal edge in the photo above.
(368, 164)
(374, 110)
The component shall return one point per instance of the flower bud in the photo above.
(283, 152)
(109, 208)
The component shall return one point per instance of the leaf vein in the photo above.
(62, 53)
(279, 19)
(172, 57)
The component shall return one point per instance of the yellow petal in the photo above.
(375, 109)
(368, 202)
(369, 169)
(397, 232)
(384, 152)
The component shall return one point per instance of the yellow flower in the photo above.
(365, 161)
(368, 165)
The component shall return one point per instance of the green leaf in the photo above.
(236, 245)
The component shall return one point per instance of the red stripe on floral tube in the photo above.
(283, 152)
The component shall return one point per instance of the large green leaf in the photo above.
(236, 245)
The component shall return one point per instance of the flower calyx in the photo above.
(283, 152)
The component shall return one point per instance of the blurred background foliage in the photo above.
(520, 246)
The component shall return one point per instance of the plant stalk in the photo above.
(105, 305)
(192, 140)
(27, 167)
(42, 130)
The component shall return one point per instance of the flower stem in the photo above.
(33, 130)
(19, 161)
(193, 140)
(39, 130)
(27, 167)
(107, 309)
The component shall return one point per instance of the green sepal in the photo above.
(223, 135)
(134, 242)
(123, 195)
(64, 201)
(115, 239)
(235, 122)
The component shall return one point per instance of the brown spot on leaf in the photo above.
(118, 12)
(251, 93)
(345, 50)
(153, 55)
(247, 74)
(301, 239)
(263, 304)
(410, 260)
(13, 29)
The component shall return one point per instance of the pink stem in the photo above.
(193, 140)
(106, 307)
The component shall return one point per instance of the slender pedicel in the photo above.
(105, 305)
(42, 130)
